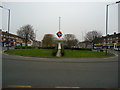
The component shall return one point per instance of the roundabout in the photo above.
(67, 53)
(57, 72)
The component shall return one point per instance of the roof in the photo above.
(5, 33)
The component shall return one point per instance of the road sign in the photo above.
(59, 34)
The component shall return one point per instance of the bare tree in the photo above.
(27, 33)
(70, 40)
(93, 37)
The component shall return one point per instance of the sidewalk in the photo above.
(114, 52)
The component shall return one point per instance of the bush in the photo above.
(46, 47)
(87, 49)
(62, 51)
(101, 50)
(24, 47)
(55, 51)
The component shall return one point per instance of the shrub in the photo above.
(55, 51)
(101, 50)
(24, 47)
(62, 51)
(87, 49)
(46, 47)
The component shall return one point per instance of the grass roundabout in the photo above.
(67, 53)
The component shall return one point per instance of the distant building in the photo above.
(18, 41)
(85, 44)
(111, 40)
(11, 37)
(36, 43)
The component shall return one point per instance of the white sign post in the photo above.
(59, 50)
(59, 34)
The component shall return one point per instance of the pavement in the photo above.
(60, 72)
(114, 52)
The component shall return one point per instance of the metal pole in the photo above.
(106, 25)
(8, 26)
(107, 21)
(59, 23)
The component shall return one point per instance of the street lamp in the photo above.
(8, 23)
(107, 20)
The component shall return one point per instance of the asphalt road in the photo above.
(54, 72)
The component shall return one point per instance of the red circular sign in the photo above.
(59, 34)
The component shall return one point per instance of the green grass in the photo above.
(31, 52)
(48, 53)
(85, 54)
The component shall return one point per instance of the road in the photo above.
(65, 72)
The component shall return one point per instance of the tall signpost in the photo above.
(59, 34)
(107, 21)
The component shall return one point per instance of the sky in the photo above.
(77, 18)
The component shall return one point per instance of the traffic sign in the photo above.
(59, 34)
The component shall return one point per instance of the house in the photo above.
(109, 41)
(103, 42)
(16, 40)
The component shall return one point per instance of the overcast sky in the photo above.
(76, 17)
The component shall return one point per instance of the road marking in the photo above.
(66, 87)
(19, 86)
(23, 86)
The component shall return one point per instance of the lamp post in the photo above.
(107, 21)
(8, 23)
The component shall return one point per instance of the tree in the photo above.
(70, 40)
(48, 40)
(27, 33)
(93, 37)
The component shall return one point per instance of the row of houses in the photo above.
(15, 40)
(110, 41)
